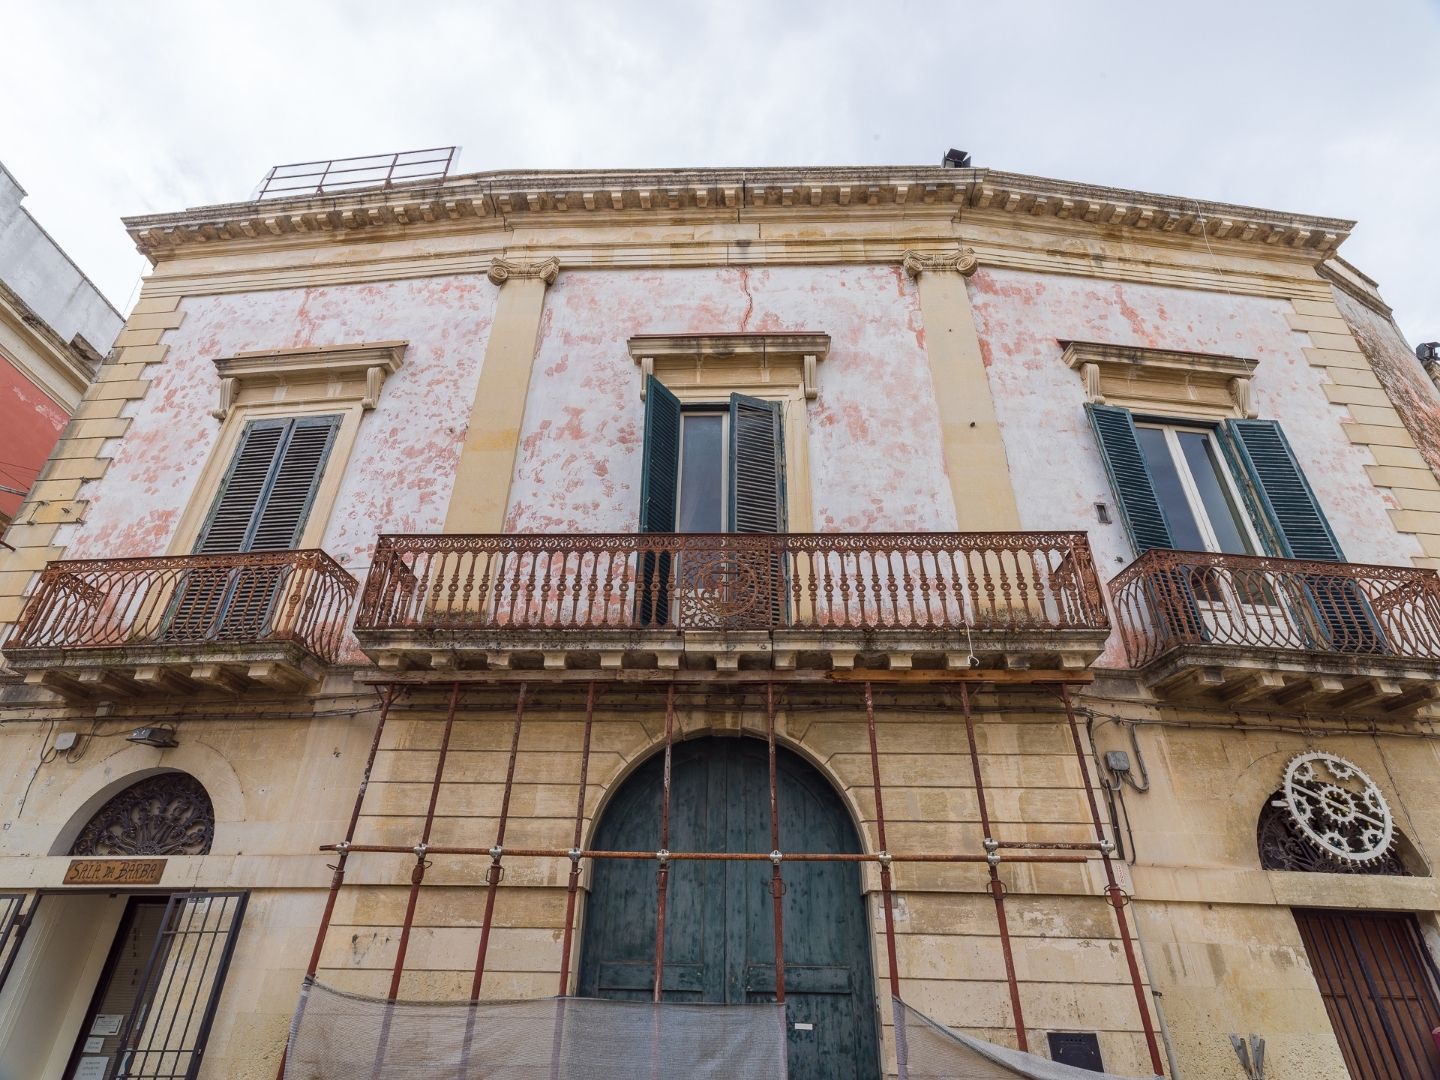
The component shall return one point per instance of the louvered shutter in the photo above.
(1342, 619)
(659, 488)
(296, 478)
(228, 529)
(757, 497)
(266, 495)
(1298, 525)
(757, 466)
(1140, 507)
(660, 473)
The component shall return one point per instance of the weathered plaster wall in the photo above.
(1021, 316)
(874, 431)
(1400, 374)
(403, 464)
(30, 422)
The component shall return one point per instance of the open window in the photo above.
(1233, 487)
(712, 469)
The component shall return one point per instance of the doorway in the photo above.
(1379, 984)
(719, 930)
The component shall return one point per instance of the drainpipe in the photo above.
(1156, 997)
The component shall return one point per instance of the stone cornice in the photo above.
(372, 361)
(514, 198)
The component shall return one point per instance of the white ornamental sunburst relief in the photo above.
(1337, 807)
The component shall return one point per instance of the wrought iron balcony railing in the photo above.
(666, 581)
(179, 603)
(1169, 599)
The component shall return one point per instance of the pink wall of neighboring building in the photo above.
(403, 466)
(1021, 316)
(30, 423)
(875, 455)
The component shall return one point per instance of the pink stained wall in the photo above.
(30, 424)
(402, 469)
(1058, 478)
(875, 455)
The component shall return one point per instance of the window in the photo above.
(266, 495)
(1195, 489)
(712, 469)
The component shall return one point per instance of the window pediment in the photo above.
(731, 361)
(1201, 385)
(329, 371)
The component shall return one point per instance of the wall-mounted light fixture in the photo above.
(162, 738)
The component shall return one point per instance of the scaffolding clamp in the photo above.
(992, 851)
(663, 855)
(884, 858)
(342, 847)
(574, 854)
(776, 856)
(496, 852)
(420, 850)
(1107, 846)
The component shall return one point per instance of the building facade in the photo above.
(55, 327)
(1035, 581)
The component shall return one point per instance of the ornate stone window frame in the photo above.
(329, 371)
(780, 358)
(1204, 386)
(343, 380)
(704, 369)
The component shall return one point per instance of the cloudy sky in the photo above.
(1320, 106)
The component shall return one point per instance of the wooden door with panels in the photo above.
(719, 927)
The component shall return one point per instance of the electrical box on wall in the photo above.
(1078, 1048)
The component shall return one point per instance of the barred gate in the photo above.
(180, 989)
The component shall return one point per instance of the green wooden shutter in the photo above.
(296, 479)
(233, 512)
(266, 495)
(757, 466)
(1297, 524)
(659, 488)
(1140, 507)
(660, 474)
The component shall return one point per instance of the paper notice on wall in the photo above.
(95, 1044)
(106, 1024)
(91, 1068)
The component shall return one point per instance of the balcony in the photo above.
(733, 601)
(114, 628)
(1282, 632)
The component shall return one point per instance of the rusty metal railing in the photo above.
(1168, 599)
(886, 581)
(187, 600)
(339, 175)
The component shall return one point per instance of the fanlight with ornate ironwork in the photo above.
(168, 814)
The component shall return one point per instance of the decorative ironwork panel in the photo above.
(189, 600)
(758, 581)
(1168, 599)
(168, 814)
(1284, 847)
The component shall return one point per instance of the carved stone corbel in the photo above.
(502, 270)
(1090, 373)
(962, 261)
(374, 380)
(1240, 393)
(228, 389)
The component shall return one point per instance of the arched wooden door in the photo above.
(719, 929)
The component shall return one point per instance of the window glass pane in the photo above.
(1200, 454)
(702, 467)
(1183, 529)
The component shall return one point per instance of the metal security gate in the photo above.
(165, 1035)
(12, 929)
(1379, 984)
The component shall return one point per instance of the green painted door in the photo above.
(719, 931)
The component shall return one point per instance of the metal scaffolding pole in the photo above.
(997, 887)
(1114, 893)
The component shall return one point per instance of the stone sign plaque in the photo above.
(114, 871)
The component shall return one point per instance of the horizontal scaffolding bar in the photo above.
(675, 856)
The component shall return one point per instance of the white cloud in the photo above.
(1322, 107)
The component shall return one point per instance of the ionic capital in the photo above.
(502, 270)
(962, 261)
